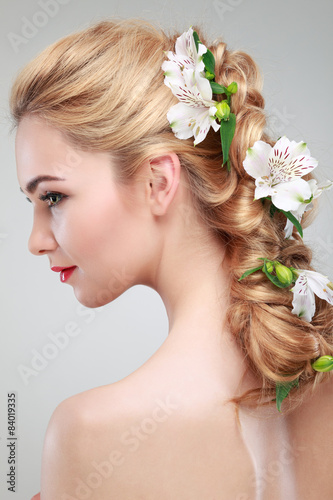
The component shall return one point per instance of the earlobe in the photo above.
(164, 181)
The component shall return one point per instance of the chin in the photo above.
(96, 299)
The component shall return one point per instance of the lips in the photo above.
(65, 272)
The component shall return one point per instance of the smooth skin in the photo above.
(167, 430)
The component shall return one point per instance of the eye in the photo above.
(52, 198)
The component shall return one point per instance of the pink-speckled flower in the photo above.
(186, 58)
(278, 172)
(185, 75)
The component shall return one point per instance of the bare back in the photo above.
(167, 435)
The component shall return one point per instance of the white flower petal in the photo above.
(187, 122)
(204, 87)
(256, 160)
(200, 131)
(313, 186)
(187, 90)
(189, 96)
(307, 284)
(216, 126)
(317, 190)
(172, 73)
(304, 301)
(202, 50)
(319, 285)
(288, 229)
(263, 188)
(183, 43)
(284, 166)
(294, 148)
(291, 149)
(180, 119)
(203, 123)
(186, 52)
(291, 195)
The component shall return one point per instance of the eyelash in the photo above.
(48, 196)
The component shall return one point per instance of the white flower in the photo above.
(184, 74)
(187, 122)
(315, 192)
(186, 58)
(307, 285)
(278, 171)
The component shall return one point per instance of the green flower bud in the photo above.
(269, 267)
(330, 285)
(284, 274)
(223, 110)
(232, 88)
(323, 364)
(209, 75)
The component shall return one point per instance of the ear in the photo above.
(163, 182)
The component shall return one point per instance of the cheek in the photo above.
(96, 230)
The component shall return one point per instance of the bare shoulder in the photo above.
(90, 436)
(135, 439)
(67, 450)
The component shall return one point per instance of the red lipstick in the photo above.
(65, 272)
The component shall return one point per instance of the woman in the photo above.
(115, 188)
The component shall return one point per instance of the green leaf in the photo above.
(196, 40)
(272, 278)
(250, 271)
(272, 210)
(227, 131)
(282, 390)
(293, 219)
(217, 88)
(209, 61)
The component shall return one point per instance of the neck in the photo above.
(195, 283)
(195, 291)
(192, 277)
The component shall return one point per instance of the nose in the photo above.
(42, 240)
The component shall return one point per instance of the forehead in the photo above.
(39, 145)
(31, 128)
(42, 150)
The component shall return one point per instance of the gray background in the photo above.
(292, 42)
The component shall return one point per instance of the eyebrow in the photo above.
(32, 185)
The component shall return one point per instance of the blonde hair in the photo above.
(103, 88)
